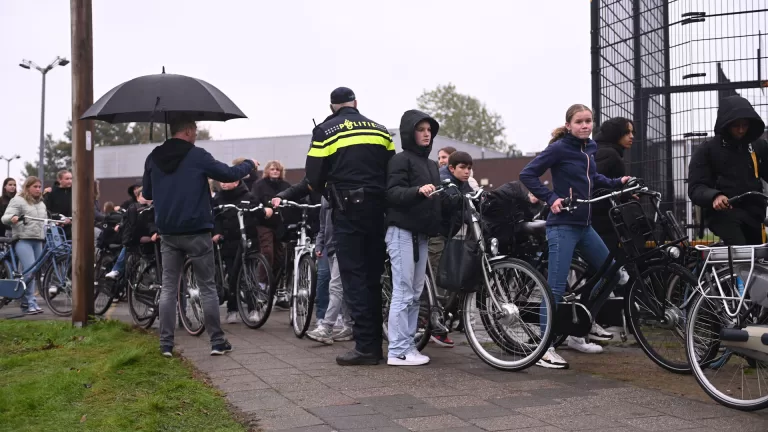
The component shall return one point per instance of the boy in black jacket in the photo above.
(412, 216)
(137, 228)
(227, 234)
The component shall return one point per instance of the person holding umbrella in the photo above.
(176, 178)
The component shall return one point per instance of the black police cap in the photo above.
(342, 95)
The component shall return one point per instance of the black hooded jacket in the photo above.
(610, 163)
(263, 191)
(723, 165)
(127, 203)
(408, 171)
(176, 177)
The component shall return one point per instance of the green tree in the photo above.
(57, 155)
(465, 118)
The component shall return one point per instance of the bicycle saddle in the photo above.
(538, 227)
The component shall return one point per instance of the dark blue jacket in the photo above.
(572, 162)
(176, 180)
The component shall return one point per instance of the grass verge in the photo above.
(105, 377)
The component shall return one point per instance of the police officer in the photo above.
(347, 162)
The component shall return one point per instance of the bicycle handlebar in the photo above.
(224, 207)
(287, 203)
(632, 185)
(746, 194)
(446, 184)
(24, 219)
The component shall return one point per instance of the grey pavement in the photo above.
(280, 382)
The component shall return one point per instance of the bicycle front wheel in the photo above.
(656, 316)
(57, 285)
(102, 295)
(515, 329)
(303, 298)
(190, 304)
(255, 290)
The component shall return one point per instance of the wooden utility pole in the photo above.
(82, 163)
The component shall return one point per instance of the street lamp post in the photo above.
(27, 64)
(8, 161)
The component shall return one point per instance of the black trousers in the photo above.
(361, 251)
(232, 262)
(736, 227)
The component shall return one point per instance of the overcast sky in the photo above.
(278, 61)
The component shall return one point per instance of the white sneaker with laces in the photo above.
(579, 344)
(343, 335)
(552, 360)
(321, 334)
(412, 358)
(600, 334)
(233, 318)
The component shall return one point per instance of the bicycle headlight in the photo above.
(494, 246)
(674, 252)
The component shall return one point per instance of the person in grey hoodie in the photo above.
(325, 247)
(29, 234)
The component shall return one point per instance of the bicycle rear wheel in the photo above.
(303, 299)
(255, 290)
(516, 331)
(190, 304)
(732, 377)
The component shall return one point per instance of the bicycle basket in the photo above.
(632, 226)
(55, 236)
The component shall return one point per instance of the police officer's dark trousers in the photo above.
(359, 234)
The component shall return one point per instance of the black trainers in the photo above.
(221, 349)
(166, 351)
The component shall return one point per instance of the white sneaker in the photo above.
(113, 274)
(552, 360)
(600, 334)
(623, 276)
(53, 290)
(579, 344)
(232, 318)
(321, 334)
(412, 358)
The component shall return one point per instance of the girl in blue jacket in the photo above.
(570, 156)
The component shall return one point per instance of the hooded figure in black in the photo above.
(731, 163)
(132, 189)
(614, 137)
(412, 216)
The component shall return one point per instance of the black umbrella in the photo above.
(156, 98)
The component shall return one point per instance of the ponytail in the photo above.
(558, 133)
(562, 130)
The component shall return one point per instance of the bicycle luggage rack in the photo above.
(730, 255)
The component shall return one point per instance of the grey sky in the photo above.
(278, 61)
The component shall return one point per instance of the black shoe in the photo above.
(356, 358)
(282, 304)
(166, 351)
(221, 349)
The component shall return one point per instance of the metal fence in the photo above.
(665, 64)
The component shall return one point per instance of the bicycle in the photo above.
(508, 311)
(145, 285)
(54, 264)
(727, 323)
(300, 268)
(650, 298)
(254, 280)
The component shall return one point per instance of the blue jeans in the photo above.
(28, 251)
(407, 285)
(120, 262)
(563, 241)
(323, 282)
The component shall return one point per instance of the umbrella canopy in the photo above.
(155, 98)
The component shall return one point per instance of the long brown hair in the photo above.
(269, 166)
(562, 130)
(29, 182)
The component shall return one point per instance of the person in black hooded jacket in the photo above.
(412, 216)
(614, 137)
(227, 234)
(731, 163)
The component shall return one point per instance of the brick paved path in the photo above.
(291, 384)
